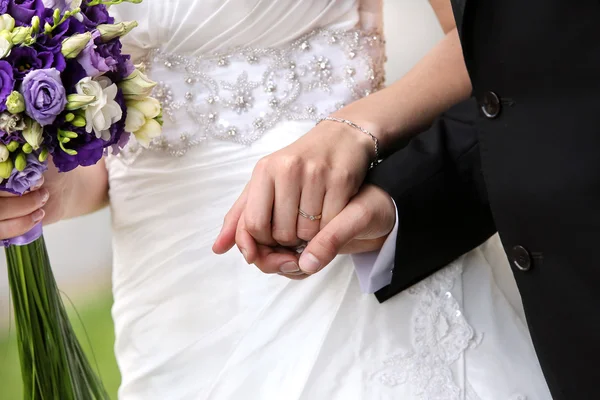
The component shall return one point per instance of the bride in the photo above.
(241, 79)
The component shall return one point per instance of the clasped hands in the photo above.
(320, 175)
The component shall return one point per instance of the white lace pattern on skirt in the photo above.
(441, 334)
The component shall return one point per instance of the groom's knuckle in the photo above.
(329, 244)
(362, 211)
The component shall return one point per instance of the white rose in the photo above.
(7, 23)
(5, 44)
(101, 114)
(149, 106)
(149, 131)
(135, 120)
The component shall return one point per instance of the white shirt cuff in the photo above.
(374, 269)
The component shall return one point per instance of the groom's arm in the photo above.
(437, 185)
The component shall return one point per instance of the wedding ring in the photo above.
(308, 216)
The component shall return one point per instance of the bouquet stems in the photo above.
(53, 364)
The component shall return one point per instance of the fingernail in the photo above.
(38, 184)
(245, 254)
(45, 195)
(38, 215)
(289, 268)
(309, 263)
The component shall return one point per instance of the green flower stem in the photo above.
(59, 20)
(53, 364)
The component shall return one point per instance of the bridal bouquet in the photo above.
(67, 94)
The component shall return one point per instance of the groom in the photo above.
(523, 159)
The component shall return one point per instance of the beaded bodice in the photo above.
(239, 95)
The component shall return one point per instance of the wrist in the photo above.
(366, 140)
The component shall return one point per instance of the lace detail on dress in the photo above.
(441, 334)
(240, 94)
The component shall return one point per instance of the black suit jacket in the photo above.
(523, 159)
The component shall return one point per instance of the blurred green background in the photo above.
(95, 317)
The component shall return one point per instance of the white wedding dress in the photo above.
(240, 79)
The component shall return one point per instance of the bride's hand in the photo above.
(317, 174)
(19, 214)
(362, 226)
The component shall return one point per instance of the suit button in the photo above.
(521, 258)
(490, 105)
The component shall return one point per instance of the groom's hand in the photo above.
(362, 226)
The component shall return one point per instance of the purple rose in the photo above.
(91, 61)
(44, 94)
(118, 63)
(25, 59)
(20, 182)
(4, 6)
(96, 15)
(24, 10)
(7, 83)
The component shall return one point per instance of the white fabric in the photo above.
(375, 268)
(192, 325)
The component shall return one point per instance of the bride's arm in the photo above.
(443, 11)
(405, 108)
(75, 193)
(321, 171)
(87, 191)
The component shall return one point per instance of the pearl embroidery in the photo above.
(302, 81)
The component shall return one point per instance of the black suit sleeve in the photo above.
(437, 184)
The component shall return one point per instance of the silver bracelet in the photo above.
(360, 128)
